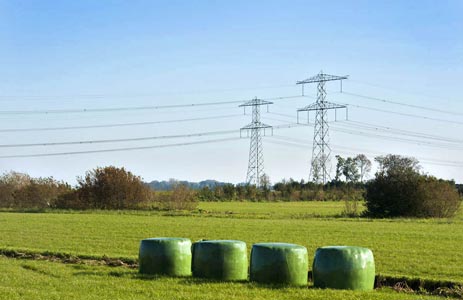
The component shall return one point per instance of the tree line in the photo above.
(100, 188)
(397, 189)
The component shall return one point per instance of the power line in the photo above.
(135, 95)
(117, 149)
(282, 126)
(404, 114)
(115, 124)
(303, 144)
(382, 100)
(134, 108)
(200, 134)
(397, 90)
(374, 127)
(399, 139)
(393, 138)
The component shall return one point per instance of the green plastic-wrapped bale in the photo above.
(165, 256)
(344, 267)
(220, 260)
(279, 263)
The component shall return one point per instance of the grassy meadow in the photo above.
(39, 280)
(428, 249)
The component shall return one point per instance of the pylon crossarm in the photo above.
(322, 78)
(317, 106)
(255, 102)
(256, 126)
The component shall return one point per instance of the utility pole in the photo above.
(256, 154)
(320, 165)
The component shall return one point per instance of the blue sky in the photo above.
(97, 54)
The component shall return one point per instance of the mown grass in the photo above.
(402, 247)
(37, 280)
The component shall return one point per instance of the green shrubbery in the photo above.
(399, 190)
(290, 190)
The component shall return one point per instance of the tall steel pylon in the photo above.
(256, 154)
(320, 166)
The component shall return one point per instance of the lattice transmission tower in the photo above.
(256, 154)
(320, 166)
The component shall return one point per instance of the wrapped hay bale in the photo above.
(220, 260)
(279, 263)
(344, 267)
(165, 256)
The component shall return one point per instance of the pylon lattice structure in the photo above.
(256, 154)
(320, 165)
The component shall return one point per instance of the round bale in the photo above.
(220, 260)
(165, 256)
(344, 267)
(279, 263)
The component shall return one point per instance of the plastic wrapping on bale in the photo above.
(165, 256)
(279, 263)
(344, 267)
(220, 260)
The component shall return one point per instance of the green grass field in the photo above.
(38, 280)
(428, 249)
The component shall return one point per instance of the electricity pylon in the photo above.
(320, 165)
(256, 155)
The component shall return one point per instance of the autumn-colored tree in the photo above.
(18, 190)
(112, 188)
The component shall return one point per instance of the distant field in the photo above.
(276, 209)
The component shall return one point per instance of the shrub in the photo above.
(440, 198)
(180, 198)
(111, 188)
(399, 190)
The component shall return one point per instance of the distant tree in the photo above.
(251, 192)
(339, 167)
(206, 194)
(460, 189)
(316, 171)
(229, 191)
(350, 170)
(265, 185)
(9, 184)
(363, 165)
(397, 164)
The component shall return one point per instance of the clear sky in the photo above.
(101, 54)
